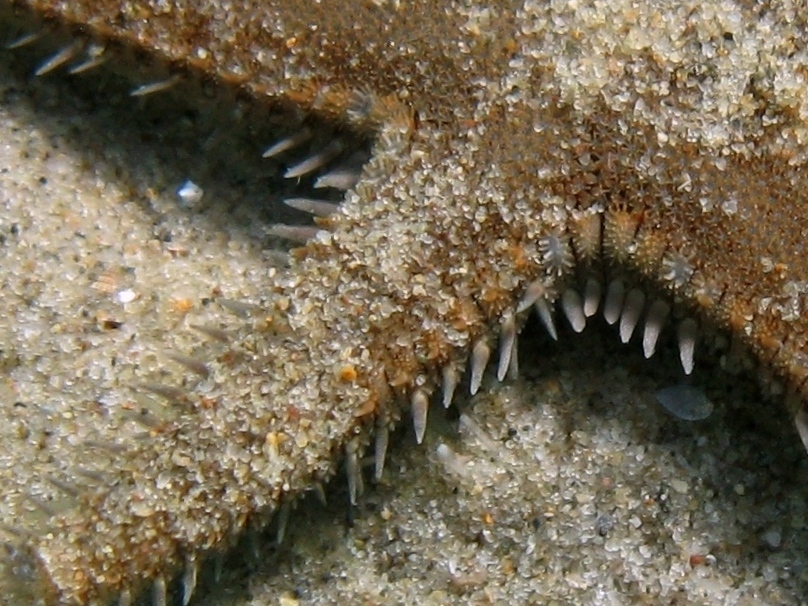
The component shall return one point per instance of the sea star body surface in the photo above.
(525, 153)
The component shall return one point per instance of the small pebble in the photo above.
(604, 524)
(189, 194)
(126, 296)
(680, 486)
(685, 402)
(772, 538)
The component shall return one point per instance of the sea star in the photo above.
(524, 153)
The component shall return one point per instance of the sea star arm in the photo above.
(520, 149)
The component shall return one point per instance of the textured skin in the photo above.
(672, 144)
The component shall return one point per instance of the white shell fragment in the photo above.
(685, 402)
